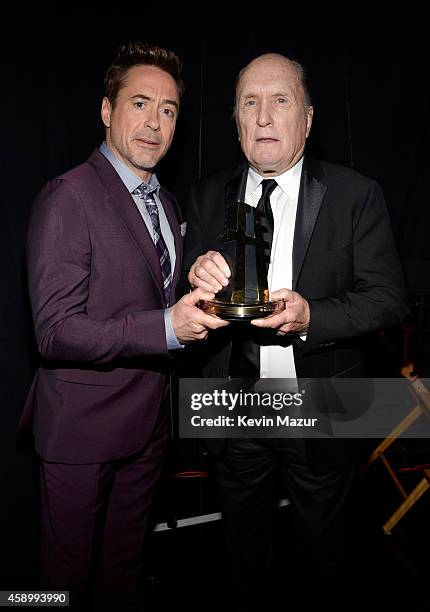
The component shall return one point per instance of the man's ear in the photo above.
(106, 112)
(309, 117)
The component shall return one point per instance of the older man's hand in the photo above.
(209, 272)
(293, 319)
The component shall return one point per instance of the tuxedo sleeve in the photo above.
(378, 299)
(59, 272)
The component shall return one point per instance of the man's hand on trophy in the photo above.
(294, 319)
(189, 322)
(209, 272)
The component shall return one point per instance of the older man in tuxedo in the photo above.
(104, 255)
(334, 262)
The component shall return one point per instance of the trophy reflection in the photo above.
(247, 253)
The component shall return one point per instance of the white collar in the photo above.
(288, 181)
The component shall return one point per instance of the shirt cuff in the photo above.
(303, 337)
(171, 339)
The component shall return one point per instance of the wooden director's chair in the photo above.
(422, 395)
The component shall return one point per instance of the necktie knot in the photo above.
(268, 186)
(144, 191)
(146, 194)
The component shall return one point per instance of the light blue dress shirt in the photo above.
(131, 181)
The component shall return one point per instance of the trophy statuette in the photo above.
(246, 251)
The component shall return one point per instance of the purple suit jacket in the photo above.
(98, 308)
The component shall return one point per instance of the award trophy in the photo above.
(247, 253)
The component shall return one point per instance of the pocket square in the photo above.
(183, 228)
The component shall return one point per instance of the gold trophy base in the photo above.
(241, 312)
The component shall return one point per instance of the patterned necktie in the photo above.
(268, 186)
(160, 245)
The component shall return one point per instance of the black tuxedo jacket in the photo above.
(344, 263)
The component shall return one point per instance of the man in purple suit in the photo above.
(104, 255)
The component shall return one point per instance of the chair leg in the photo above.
(412, 498)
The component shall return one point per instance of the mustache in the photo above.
(150, 137)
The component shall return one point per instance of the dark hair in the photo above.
(141, 54)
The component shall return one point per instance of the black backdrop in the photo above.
(369, 88)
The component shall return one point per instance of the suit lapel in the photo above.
(236, 187)
(311, 195)
(122, 202)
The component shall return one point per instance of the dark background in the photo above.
(369, 88)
